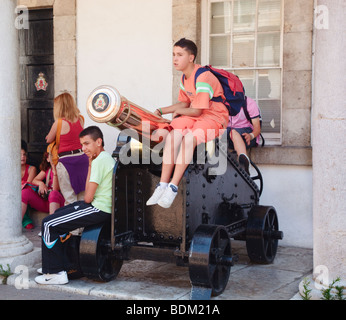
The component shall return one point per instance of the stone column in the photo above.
(13, 245)
(186, 23)
(329, 143)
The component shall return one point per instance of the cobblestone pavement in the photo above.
(144, 280)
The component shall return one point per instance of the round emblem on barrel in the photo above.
(100, 102)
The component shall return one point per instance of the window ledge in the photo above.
(279, 155)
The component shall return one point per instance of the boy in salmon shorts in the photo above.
(196, 119)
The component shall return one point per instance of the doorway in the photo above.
(37, 81)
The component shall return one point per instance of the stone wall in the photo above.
(296, 91)
(186, 23)
(297, 70)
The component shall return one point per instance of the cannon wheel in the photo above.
(262, 234)
(96, 259)
(210, 259)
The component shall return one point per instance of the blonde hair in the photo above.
(65, 107)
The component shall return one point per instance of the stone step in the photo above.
(37, 217)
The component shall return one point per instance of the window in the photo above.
(245, 37)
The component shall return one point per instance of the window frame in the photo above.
(274, 139)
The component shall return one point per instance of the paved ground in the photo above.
(147, 280)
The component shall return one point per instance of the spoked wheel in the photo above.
(210, 261)
(262, 234)
(96, 258)
(257, 177)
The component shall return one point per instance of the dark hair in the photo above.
(94, 132)
(45, 165)
(189, 45)
(24, 146)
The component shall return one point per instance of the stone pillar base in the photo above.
(18, 252)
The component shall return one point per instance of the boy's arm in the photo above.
(90, 187)
(173, 108)
(192, 112)
(256, 131)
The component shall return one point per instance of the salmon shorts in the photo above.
(202, 129)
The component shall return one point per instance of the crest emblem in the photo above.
(41, 83)
(100, 102)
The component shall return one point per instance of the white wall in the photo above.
(126, 44)
(289, 190)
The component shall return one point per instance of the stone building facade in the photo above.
(299, 174)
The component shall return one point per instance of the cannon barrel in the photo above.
(106, 105)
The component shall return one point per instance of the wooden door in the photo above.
(37, 81)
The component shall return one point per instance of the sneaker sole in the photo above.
(155, 202)
(51, 282)
(162, 205)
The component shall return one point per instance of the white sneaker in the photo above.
(156, 195)
(39, 270)
(55, 278)
(168, 196)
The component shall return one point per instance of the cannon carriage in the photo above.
(209, 210)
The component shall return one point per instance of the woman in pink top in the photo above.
(72, 168)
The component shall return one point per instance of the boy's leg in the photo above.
(170, 153)
(172, 144)
(184, 157)
(64, 220)
(238, 142)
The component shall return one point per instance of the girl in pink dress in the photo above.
(47, 198)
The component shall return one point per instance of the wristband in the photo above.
(252, 136)
(160, 111)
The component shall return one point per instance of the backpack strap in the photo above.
(246, 112)
(58, 131)
(197, 74)
(81, 118)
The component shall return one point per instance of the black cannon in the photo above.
(209, 210)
